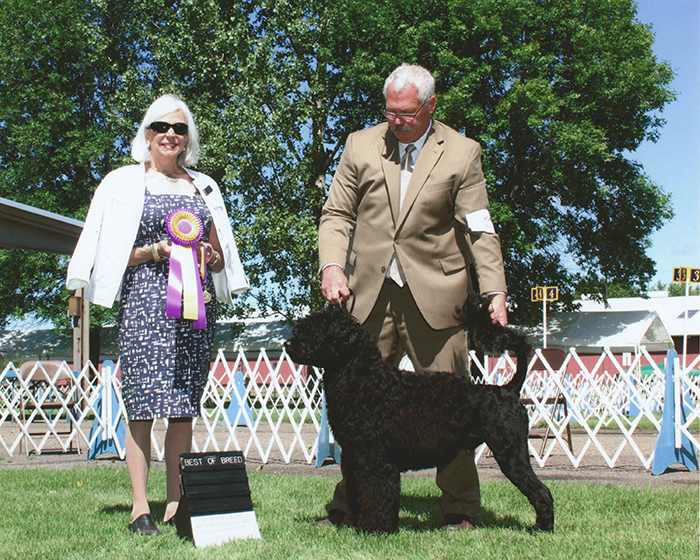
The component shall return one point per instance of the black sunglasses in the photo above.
(162, 127)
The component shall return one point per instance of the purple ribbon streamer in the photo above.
(173, 303)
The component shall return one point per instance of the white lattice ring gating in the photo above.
(271, 410)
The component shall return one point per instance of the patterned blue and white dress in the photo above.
(164, 362)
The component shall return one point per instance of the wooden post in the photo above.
(79, 310)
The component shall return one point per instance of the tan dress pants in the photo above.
(398, 326)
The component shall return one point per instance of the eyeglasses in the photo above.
(162, 127)
(403, 116)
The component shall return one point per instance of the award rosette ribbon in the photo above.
(185, 296)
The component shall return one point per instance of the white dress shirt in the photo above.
(394, 271)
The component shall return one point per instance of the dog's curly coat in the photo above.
(388, 421)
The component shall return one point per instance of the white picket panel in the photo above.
(690, 397)
(606, 407)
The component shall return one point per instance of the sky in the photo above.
(673, 162)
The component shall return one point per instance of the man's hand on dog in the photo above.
(497, 309)
(334, 284)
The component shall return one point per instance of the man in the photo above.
(406, 217)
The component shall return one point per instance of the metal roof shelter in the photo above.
(27, 227)
(621, 331)
(269, 333)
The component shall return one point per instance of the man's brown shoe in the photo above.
(457, 522)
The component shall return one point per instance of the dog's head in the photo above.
(324, 338)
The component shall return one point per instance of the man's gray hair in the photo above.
(414, 75)
(162, 106)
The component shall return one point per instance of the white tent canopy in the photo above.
(670, 309)
(621, 331)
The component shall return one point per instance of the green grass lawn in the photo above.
(82, 514)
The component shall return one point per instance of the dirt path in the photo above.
(592, 470)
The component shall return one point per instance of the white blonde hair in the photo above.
(414, 75)
(165, 104)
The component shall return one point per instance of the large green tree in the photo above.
(558, 92)
(62, 63)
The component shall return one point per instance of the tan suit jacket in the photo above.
(362, 226)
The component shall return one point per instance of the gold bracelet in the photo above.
(154, 253)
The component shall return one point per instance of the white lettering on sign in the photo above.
(217, 529)
(194, 462)
(232, 460)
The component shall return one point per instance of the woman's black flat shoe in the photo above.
(144, 525)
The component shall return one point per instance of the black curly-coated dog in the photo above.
(388, 421)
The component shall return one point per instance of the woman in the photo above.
(124, 252)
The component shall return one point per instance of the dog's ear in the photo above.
(474, 313)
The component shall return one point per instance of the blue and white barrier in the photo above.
(326, 448)
(108, 432)
(672, 446)
(237, 415)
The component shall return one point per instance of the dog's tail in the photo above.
(494, 339)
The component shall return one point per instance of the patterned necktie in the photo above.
(395, 272)
(407, 159)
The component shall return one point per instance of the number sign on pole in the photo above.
(544, 294)
(686, 275)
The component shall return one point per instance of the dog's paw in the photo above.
(536, 528)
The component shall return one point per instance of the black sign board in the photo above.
(216, 506)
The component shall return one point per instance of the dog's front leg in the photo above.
(379, 496)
